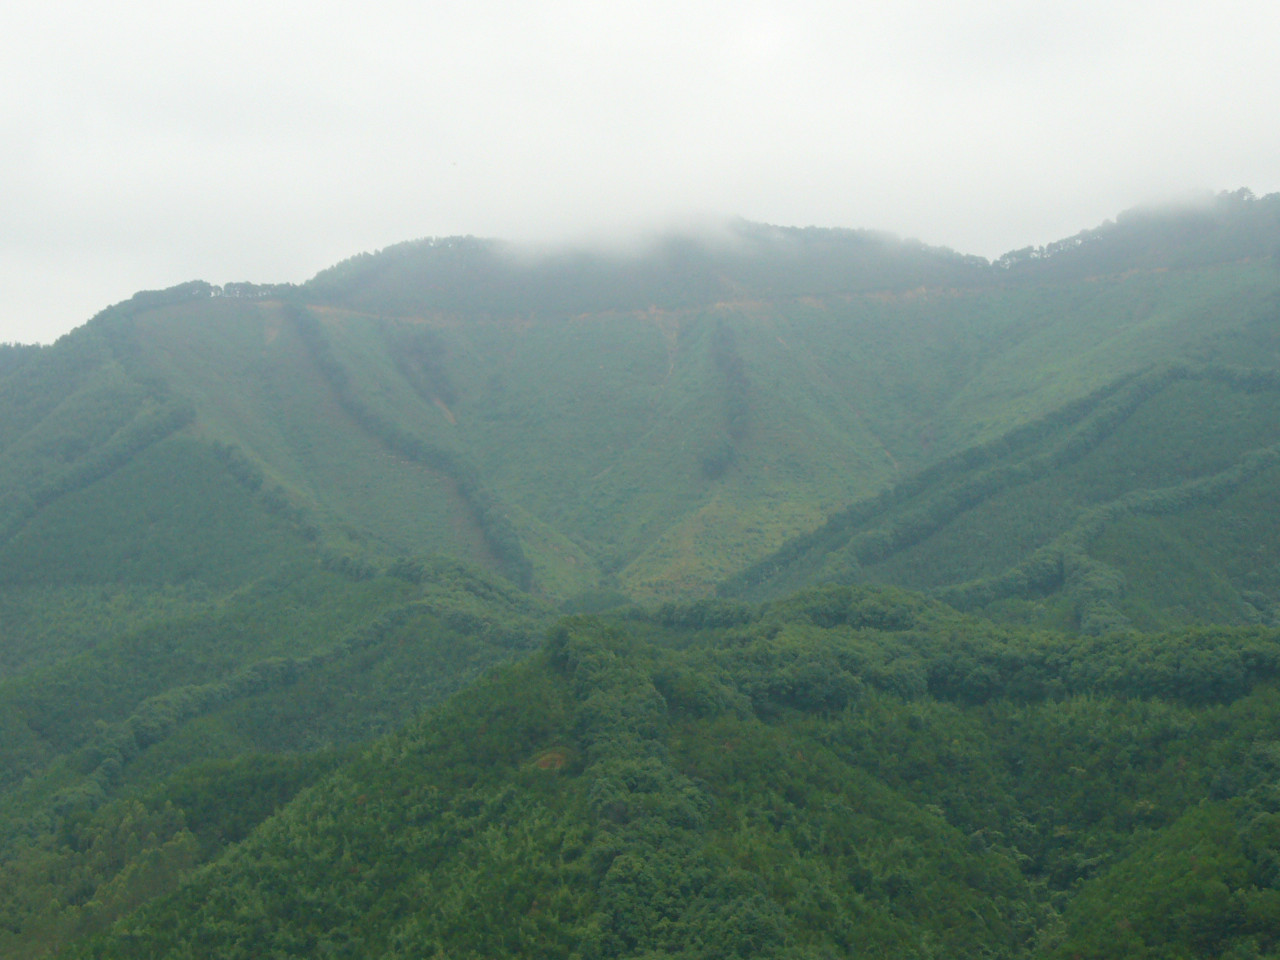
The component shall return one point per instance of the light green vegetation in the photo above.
(1133, 506)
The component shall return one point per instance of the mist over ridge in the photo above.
(736, 258)
(710, 237)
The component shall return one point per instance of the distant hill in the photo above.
(649, 424)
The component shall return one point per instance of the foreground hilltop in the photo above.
(852, 772)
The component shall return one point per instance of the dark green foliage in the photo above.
(1210, 892)
(223, 800)
(102, 865)
(735, 390)
(935, 496)
(1230, 227)
(13, 355)
(596, 600)
(202, 719)
(239, 466)
(851, 772)
(662, 421)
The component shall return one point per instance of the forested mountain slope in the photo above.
(850, 772)
(648, 424)
(219, 709)
(252, 536)
(1153, 502)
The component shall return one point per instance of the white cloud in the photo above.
(148, 144)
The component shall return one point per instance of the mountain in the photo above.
(647, 425)
(279, 565)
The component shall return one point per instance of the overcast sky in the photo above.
(147, 143)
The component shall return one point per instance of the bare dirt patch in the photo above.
(552, 760)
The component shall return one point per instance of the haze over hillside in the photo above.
(701, 403)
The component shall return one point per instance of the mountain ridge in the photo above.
(759, 416)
